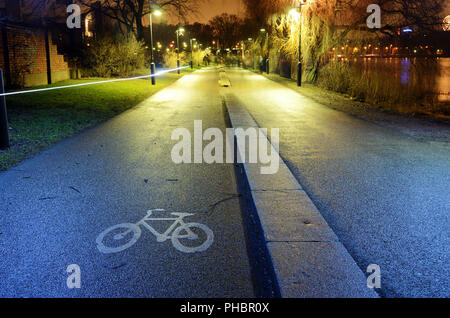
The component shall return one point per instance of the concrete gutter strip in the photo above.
(308, 259)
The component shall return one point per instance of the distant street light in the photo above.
(200, 47)
(446, 22)
(298, 5)
(152, 62)
(4, 130)
(192, 52)
(267, 59)
(293, 12)
(179, 33)
(253, 52)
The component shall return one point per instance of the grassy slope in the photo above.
(39, 120)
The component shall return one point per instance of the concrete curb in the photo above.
(307, 257)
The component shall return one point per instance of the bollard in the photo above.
(178, 66)
(267, 66)
(4, 136)
(152, 72)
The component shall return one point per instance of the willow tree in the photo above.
(330, 23)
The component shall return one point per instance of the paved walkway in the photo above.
(55, 205)
(383, 192)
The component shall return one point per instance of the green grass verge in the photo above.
(39, 120)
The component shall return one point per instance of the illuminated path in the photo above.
(385, 194)
(55, 206)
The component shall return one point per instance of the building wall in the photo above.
(28, 58)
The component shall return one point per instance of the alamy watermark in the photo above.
(252, 144)
(74, 19)
(74, 279)
(374, 279)
(374, 19)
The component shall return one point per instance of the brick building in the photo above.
(29, 54)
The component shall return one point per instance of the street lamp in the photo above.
(192, 52)
(152, 62)
(267, 41)
(446, 24)
(179, 33)
(298, 5)
(4, 132)
(253, 52)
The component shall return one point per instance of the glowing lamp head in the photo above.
(180, 31)
(446, 26)
(157, 13)
(293, 12)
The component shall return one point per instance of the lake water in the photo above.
(431, 73)
(443, 80)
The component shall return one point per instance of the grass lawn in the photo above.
(39, 120)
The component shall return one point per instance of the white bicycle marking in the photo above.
(177, 227)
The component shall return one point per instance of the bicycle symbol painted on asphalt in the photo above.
(178, 232)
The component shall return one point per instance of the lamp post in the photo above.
(266, 61)
(253, 51)
(152, 61)
(4, 135)
(199, 47)
(192, 52)
(298, 5)
(179, 32)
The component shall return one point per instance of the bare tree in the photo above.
(43, 11)
(424, 15)
(202, 32)
(227, 29)
(130, 13)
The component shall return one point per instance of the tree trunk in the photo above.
(139, 29)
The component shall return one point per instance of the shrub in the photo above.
(170, 59)
(336, 76)
(199, 57)
(108, 56)
(376, 83)
(23, 60)
(231, 60)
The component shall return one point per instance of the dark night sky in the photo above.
(211, 8)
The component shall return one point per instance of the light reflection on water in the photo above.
(405, 71)
(444, 80)
(433, 74)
